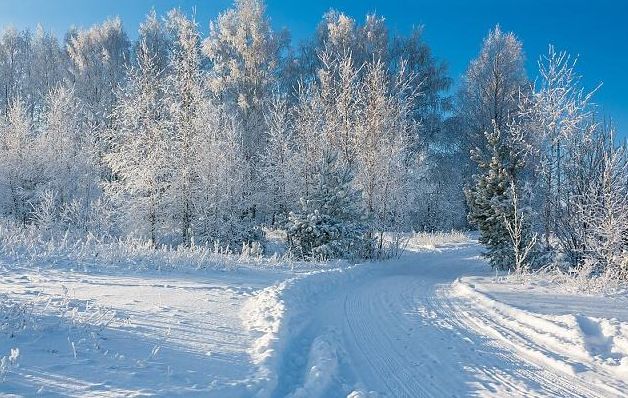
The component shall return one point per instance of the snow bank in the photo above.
(278, 313)
(321, 368)
(573, 343)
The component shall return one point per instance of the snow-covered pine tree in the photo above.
(331, 223)
(486, 199)
(490, 198)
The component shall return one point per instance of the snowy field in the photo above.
(435, 322)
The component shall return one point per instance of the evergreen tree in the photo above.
(492, 199)
(331, 223)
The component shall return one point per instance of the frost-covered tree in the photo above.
(412, 54)
(331, 222)
(368, 115)
(337, 32)
(593, 172)
(279, 162)
(337, 60)
(15, 62)
(99, 57)
(244, 54)
(383, 142)
(604, 209)
(69, 160)
(49, 66)
(20, 169)
(522, 239)
(154, 41)
(340, 35)
(339, 89)
(492, 197)
(186, 96)
(140, 158)
(491, 89)
(309, 135)
(560, 113)
(222, 206)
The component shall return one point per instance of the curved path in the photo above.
(400, 332)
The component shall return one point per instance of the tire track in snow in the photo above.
(400, 335)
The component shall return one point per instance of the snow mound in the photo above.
(575, 344)
(363, 394)
(278, 313)
(321, 369)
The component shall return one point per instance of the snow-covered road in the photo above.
(407, 330)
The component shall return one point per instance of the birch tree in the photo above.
(244, 54)
(70, 164)
(140, 158)
(185, 96)
(491, 88)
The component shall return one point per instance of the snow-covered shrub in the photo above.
(331, 223)
(430, 240)
(7, 362)
(585, 279)
(45, 213)
(252, 250)
(33, 247)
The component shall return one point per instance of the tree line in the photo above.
(184, 139)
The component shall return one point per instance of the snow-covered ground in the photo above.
(434, 322)
(124, 335)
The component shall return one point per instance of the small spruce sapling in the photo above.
(331, 223)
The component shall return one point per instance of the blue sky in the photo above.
(597, 30)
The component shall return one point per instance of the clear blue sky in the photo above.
(597, 30)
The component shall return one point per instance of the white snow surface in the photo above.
(432, 323)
